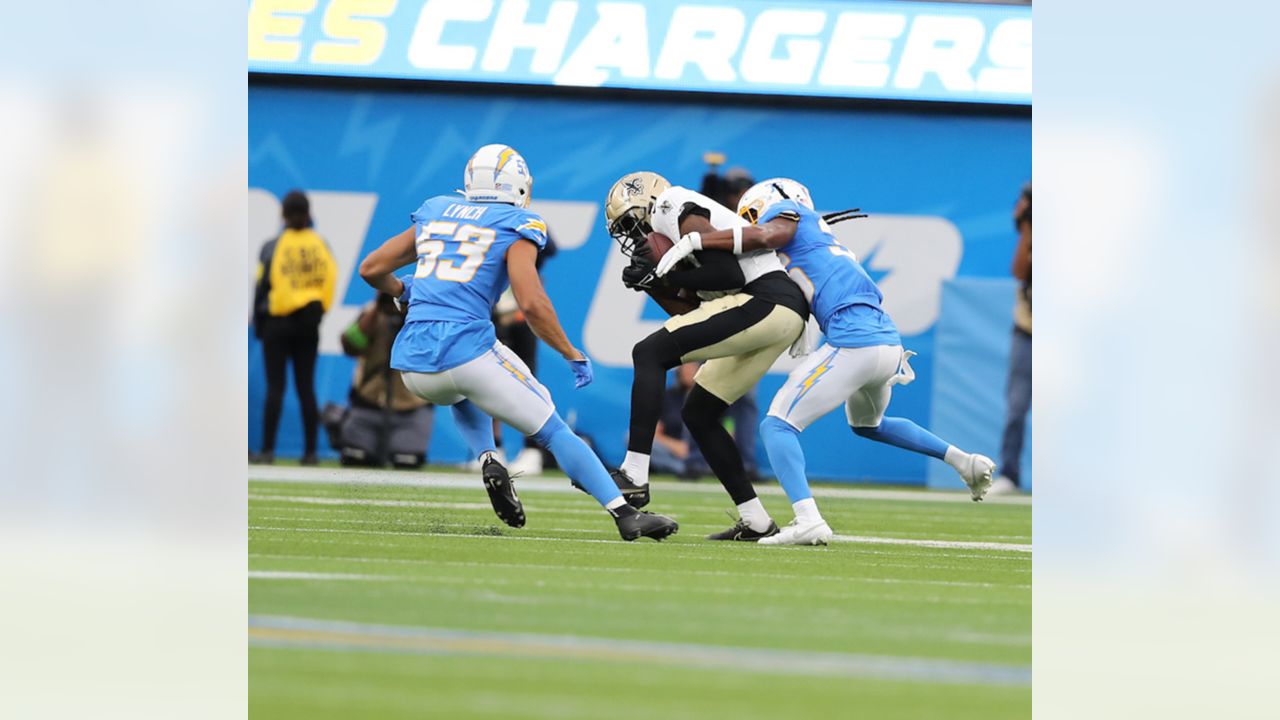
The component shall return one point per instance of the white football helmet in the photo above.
(497, 173)
(762, 195)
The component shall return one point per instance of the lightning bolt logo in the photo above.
(812, 378)
(512, 369)
(876, 274)
(503, 157)
(536, 225)
(516, 373)
(370, 133)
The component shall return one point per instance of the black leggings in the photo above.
(653, 356)
(290, 339)
(702, 412)
(661, 351)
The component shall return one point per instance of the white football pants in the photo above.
(861, 378)
(498, 382)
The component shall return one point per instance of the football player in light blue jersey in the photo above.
(468, 249)
(858, 365)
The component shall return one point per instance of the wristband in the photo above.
(737, 240)
(695, 240)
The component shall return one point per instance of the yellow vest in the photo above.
(302, 272)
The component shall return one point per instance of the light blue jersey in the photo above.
(462, 269)
(844, 299)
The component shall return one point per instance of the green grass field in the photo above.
(400, 595)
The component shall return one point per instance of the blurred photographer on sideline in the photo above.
(1018, 388)
(726, 189)
(385, 422)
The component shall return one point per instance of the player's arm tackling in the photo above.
(377, 268)
(770, 236)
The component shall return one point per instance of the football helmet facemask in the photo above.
(628, 208)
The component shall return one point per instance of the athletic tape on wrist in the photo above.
(737, 240)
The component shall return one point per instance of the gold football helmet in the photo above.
(629, 205)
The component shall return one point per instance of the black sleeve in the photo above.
(262, 290)
(691, 209)
(717, 270)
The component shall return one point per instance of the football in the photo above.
(658, 244)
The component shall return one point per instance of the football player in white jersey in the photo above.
(748, 312)
(858, 365)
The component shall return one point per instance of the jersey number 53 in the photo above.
(473, 242)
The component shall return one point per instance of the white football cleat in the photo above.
(528, 462)
(977, 475)
(814, 533)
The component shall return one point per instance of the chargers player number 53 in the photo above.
(473, 242)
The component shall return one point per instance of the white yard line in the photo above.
(353, 476)
(781, 577)
(941, 544)
(276, 631)
(861, 539)
(339, 501)
(411, 527)
(290, 575)
(481, 590)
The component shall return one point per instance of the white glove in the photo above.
(679, 251)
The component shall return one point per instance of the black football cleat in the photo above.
(636, 495)
(502, 493)
(742, 532)
(636, 524)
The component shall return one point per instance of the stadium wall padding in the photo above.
(939, 187)
(972, 342)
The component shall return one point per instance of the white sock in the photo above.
(615, 503)
(955, 457)
(807, 511)
(753, 512)
(636, 465)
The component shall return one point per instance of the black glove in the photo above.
(640, 274)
